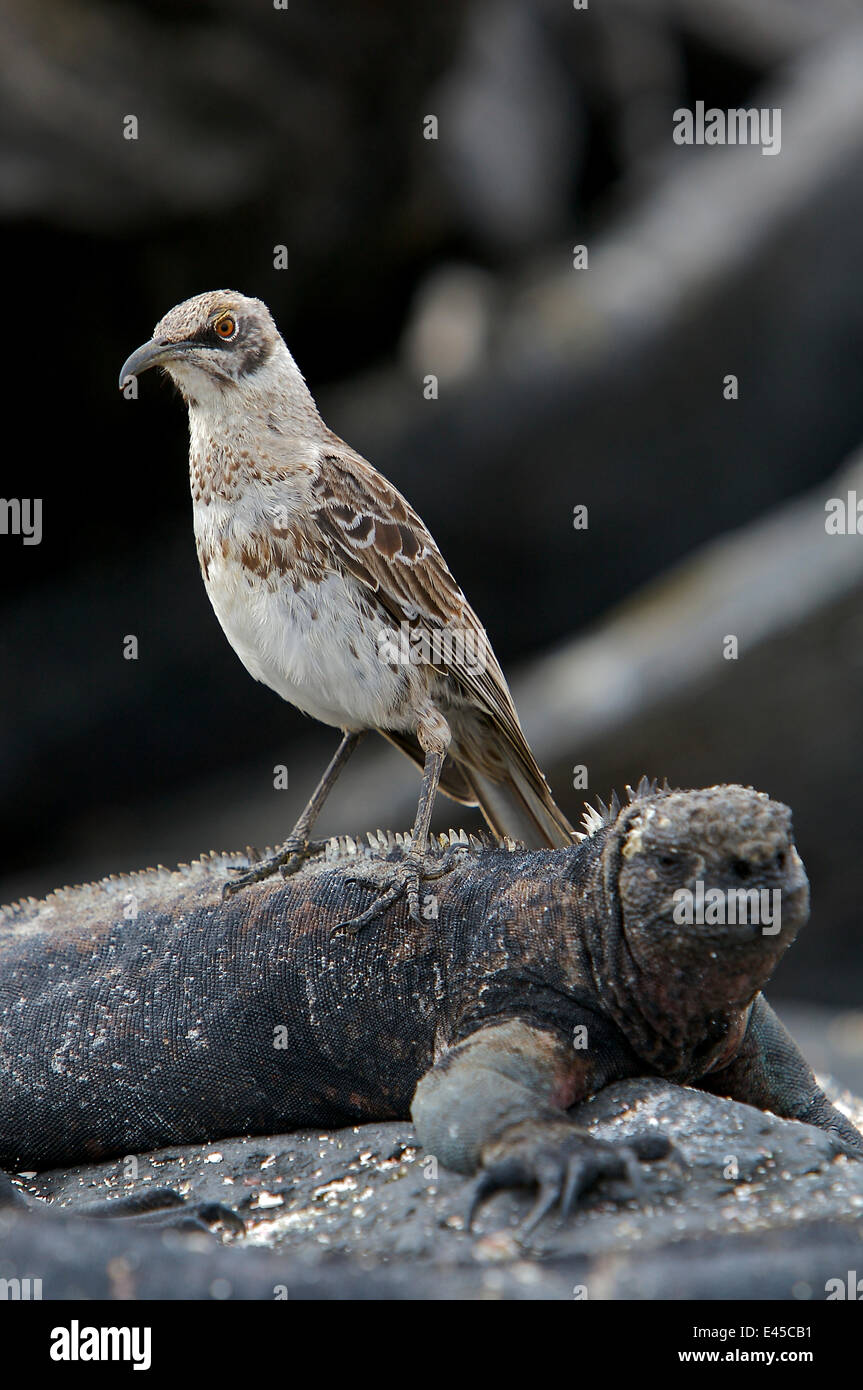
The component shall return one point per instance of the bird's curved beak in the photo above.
(151, 354)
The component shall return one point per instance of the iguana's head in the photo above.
(711, 893)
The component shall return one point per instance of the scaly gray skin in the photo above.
(146, 1011)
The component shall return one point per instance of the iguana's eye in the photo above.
(226, 326)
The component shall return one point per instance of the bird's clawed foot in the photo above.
(406, 881)
(292, 854)
(563, 1162)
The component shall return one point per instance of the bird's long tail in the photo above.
(516, 801)
(521, 806)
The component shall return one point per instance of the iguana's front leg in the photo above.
(497, 1103)
(769, 1071)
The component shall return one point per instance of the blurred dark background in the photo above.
(557, 386)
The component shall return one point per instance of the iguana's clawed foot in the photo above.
(164, 1208)
(563, 1162)
(406, 880)
(290, 857)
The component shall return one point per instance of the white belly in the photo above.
(315, 648)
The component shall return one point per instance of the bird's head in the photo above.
(211, 344)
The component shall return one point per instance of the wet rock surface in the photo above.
(748, 1206)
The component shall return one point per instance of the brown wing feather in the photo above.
(383, 543)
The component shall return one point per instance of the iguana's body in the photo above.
(147, 1011)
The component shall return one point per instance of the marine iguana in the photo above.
(145, 1010)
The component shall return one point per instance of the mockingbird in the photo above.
(332, 592)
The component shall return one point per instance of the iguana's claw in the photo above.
(200, 1216)
(563, 1162)
(163, 1208)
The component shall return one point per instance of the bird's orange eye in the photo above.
(226, 327)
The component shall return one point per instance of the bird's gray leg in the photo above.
(303, 826)
(433, 735)
(298, 846)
